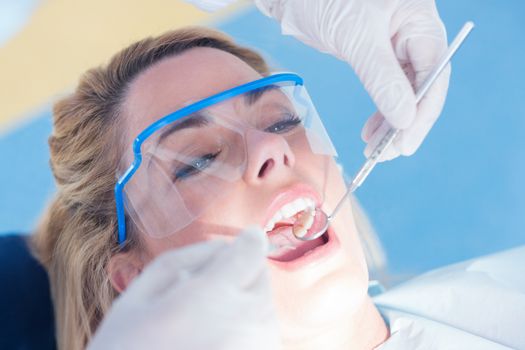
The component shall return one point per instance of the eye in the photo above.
(289, 122)
(196, 166)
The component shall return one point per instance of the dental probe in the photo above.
(386, 141)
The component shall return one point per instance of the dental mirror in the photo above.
(319, 217)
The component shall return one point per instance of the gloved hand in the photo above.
(391, 44)
(212, 295)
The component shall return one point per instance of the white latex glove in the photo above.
(391, 44)
(210, 5)
(212, 295)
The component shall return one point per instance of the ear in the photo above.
(123, 268)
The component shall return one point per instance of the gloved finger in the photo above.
(383, 77)
(389, 153)
(423, 43)
(376, 138)
(410, 139)
(242, 263)
(173, 268)
(371, 126)
(429, 110)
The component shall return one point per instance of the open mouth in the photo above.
(293, 248)
(285, 247)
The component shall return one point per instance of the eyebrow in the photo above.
(197, 120)
(253, 96)
(194, 120)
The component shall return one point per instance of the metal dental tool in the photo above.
(317, 230)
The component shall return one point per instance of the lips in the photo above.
(286, 248)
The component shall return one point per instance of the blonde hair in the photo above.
(77, 234)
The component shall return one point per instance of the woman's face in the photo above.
(317, 289)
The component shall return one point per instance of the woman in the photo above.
(93, 131)
(201, 169)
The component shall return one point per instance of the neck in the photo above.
(363, 330)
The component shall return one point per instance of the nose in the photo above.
(268, 156)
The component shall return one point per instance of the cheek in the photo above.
(194, 233)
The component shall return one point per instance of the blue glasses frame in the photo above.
(194, 107)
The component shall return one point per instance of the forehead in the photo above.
(178, 81)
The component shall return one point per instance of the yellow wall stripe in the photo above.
(64, 38)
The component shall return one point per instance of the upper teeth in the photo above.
(289, 210)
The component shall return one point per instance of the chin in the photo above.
(319, 284)
(324, 292)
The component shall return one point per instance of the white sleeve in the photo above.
(210, 5)
(484, 296)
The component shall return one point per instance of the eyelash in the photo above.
(281, 127)
(193, 168)
(290, 122)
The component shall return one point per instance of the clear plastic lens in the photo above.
(192, 162)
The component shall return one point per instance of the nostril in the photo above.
(267, 166)
(286, 161)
